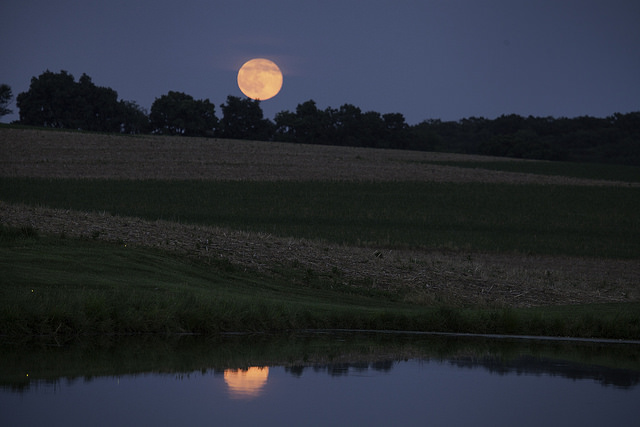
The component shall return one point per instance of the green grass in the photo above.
(63, 286)
(53, 284)
(532, 219)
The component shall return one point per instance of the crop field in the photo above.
(361, 237)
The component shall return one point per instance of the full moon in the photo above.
(260, 79)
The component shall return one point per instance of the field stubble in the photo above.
(51, 154)
(444, 277)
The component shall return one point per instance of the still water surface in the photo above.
(488, 387)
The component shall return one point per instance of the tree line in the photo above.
(57, 100)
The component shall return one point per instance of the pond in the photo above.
(319, 379)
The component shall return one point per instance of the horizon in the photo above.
(15, 110)
(442, 60)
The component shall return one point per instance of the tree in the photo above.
(349, 125)
(96, 108)
(285, 126)
(134, 118)
(313, 126)
(177, 113)
(243, 119)
(396, 131)
(307, 125)
(49, 102)
(5, 99)
(508, 124)
(57, 100)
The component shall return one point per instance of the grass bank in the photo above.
(57, 285)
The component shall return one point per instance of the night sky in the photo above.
(429, 59)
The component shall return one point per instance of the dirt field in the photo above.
(456, 278)
(77, 155)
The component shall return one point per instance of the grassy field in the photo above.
(577, 170)
(60, 285)
(489, 217)
(493, 251)
(68, 286)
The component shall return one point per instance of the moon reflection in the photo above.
(246, 383)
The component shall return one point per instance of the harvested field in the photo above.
(58, 154)
(456, 278)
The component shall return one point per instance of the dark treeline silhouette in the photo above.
(614, 139)
(57, 100)
(347, 126)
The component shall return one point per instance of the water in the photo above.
(321, 381)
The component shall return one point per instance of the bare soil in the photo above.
(457, 278)
(58, 154)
